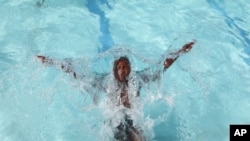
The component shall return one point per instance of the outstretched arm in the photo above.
(174, 56)
(97, 82)
(153, 74)
(62, 65)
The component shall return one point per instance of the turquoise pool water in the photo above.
(197, 99)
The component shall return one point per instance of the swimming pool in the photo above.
(198, 98)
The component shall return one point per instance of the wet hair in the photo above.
(123, 58)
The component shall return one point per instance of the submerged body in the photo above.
(122, 91)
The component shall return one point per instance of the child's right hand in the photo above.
(41, 58)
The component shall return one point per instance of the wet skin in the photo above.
(123, 70)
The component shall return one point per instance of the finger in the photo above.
(191, 43)
(40, 57)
